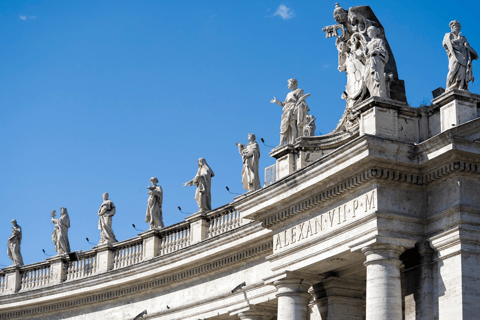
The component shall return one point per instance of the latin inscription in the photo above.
(327, 221)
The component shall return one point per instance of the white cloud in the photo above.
(284, 12)
(27, 17)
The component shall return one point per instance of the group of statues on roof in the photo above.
(363, 53)
(250, 154)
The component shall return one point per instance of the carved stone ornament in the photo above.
(294, 116)
(460, 58)
(365, 56)
(154, 209)
(14, 243)
(250, 157)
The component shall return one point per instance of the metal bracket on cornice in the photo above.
(140, 315)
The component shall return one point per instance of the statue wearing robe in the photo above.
(250, 157)
(14, 242)
(154, 208)
(460, 57)
(60, 232)
(377, 57)
(203, 182)
(105, 213)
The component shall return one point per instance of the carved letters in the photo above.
(327, 221)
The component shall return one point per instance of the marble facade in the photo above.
(379, 221)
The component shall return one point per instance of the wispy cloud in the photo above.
(27, 17)
(284, 12)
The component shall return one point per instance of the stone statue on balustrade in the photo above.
(105, 214)
(60, 232)
(460, 58)
(154, 209)
(203, 182)
(365, 56)
(294, 114)
(250, 157)
(310, 127)
(14, 242)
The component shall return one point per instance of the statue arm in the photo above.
(280, 103)
(472, 52)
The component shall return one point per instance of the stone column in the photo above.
(13, 279)
(151, 244)
(104, 258)
(254, 313)
(384, 294)
(338, 298)
(293, 299)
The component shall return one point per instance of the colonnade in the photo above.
(345, 299)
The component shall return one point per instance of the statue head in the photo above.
(373, 32)
(202, 162)
(251, 137)
(105, 196)
(292, 84)
(339, 14)
(154, 181)
(455, 25)
(14, 222)
(63, 211)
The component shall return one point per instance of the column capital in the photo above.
(292, 286)
(377, 252)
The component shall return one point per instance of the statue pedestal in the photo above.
(456, 107)
(104, 257)
(56, 268)
(198, 227)
(151, 243)
(12, 279)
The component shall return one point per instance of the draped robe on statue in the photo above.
(14, 243)
(460, 59)
(106, 212)
(60, 234)
(251, 158)
(203, 181)
(377, 57)
(288, 126)
(154, 209)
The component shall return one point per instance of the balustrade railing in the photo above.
(2, 283)
(85, 266)
(175, 239)
(127, 254)
(223, 221)
(35, 276)
(121, 254)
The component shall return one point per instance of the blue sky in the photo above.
(99, 96)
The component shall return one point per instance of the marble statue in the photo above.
(60, 232)
(377, 56)
(310, 127)
(105, 213)
(250, 158)
(14, 242)
(295, 110)
(460, 57)
(203, 181)
(154, 208)
(365, 56)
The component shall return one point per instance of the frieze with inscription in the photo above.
(327, 221)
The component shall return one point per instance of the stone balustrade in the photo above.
(85, 266)
(127, 252)
(221, 221)
(35, 276)
(105, 258)
(2, 283)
